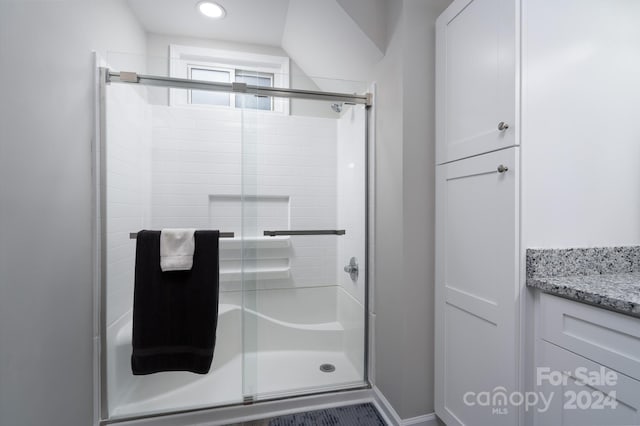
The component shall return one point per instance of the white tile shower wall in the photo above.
(128, 204)
(351, 316)
(128, 157)
(351, 197)
(351, 215)
(205, 159)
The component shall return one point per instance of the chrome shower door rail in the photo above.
(279, 92)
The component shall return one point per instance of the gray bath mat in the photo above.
(352, 415)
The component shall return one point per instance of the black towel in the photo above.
(175, 313)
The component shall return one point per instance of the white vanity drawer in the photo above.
(606, 337)
(572, 402)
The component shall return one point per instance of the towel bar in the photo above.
(133, 235)
(306, 232)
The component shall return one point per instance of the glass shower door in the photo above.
(250, 247)
(288, 178)
(303, 267)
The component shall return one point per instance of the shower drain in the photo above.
(327, 368)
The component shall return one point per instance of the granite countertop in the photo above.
(606, 277)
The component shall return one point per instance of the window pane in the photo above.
(254, 79)
(253, 102)
(206, 97)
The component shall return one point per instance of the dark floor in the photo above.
(352, 415)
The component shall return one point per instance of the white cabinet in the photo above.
(477, 211)
(577, 343)
(606, 337)
(476, 78)
(476, 291)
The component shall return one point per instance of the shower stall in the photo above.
(283, 175)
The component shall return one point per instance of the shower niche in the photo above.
(291, 186)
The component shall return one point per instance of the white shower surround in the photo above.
(205, 152)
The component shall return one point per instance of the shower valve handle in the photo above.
(352, 268)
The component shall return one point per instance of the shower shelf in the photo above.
(255, 259)
(254, 275)
(255, 242)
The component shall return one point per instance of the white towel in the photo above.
(176, 249)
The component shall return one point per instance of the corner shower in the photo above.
(287, 191)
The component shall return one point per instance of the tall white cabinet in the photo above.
(476, 285)
(477, 218)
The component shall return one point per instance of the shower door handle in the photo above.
(305, 232)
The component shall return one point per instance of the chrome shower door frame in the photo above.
(104, 76)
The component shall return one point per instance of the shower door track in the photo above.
(279, 92)
(104, 77)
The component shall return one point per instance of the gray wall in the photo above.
(405, 201)
(46, 131)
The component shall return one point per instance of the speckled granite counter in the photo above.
(606, 277)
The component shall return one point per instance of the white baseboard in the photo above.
(392, 417)
(384, 407)
(426, 420)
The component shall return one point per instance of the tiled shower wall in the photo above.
(128, 157)
(351, 211)
(205, 161)
(351, 190)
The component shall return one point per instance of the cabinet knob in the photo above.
(502, 126)
(502, 168)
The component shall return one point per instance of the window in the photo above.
(226, 67)
(254, 78)
(204, 97)
(219, 75)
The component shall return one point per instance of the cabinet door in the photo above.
(477, 284)
(476, 78)
(572, 402)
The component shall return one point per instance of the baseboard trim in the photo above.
(425, 420)
(392, 417)
(385, 408)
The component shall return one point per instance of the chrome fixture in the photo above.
(502, 126)
(134, 235)
(502, 168)
(183, 83)
(352, 269)
(306, 232)
(327, 368)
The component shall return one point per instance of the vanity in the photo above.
(586, 308)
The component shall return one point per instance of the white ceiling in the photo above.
(334, 42)
(247, 21)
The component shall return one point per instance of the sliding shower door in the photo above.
(285, 180)
(303, 233)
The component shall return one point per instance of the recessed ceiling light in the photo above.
(211, 10)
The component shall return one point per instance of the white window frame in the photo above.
(233, 75)
(183, 58)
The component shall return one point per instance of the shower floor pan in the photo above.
(287, 361)
(277, 372)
